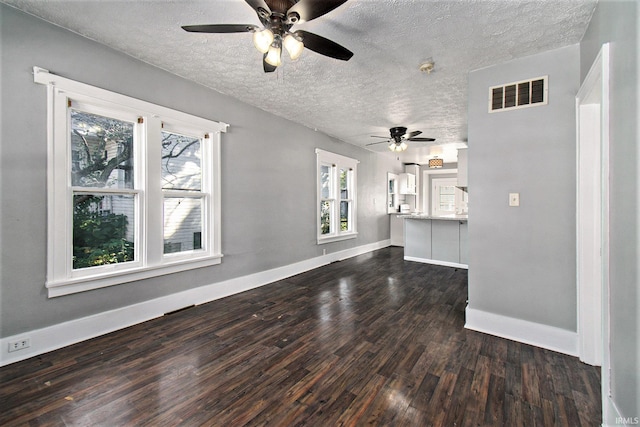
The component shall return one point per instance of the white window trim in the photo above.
(459, 195)
(337, 161)
(61, 278)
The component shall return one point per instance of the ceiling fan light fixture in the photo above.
(262, 40)
(273, 55)
(293, 45)
(395, 147)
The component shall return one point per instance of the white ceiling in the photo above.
(379, 88)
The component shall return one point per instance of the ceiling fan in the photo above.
(399, 136)
(277, 18)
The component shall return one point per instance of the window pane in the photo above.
(325, 181)
(344, 184)
(447, 199)
(325, 217)
(182, 224)
(345, 208)
(103, 229)
(101, 151)
(181, 168)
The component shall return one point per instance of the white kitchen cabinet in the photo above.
(462, 168)
(392, 193)
(407, 183)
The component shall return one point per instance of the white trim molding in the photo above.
(145, 195)
(436, 262)
(74, 331)
(524, 331)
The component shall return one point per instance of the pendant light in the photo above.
(435, 163)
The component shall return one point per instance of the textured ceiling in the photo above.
(380, 87)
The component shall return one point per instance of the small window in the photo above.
(336, 197)
(446, 198)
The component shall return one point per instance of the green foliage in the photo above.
(325, 218)
(98, 238)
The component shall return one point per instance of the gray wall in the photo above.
(522, 259)
(617, 22)
(268, 171)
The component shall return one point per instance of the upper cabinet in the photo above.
(462, 168)
(407, 183)
(392, 193)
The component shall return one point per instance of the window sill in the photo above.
(330, 239)
(96, 281)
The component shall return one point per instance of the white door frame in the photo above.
(426, 186)
(592, 216)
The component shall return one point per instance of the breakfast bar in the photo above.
(438, 240)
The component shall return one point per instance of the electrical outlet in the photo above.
(514, 199)
(19, 345)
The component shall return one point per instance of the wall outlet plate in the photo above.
(514, 199)
(19, 344)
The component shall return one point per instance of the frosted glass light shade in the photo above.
(262, 40)
(294, 46)
(273, 56)
(394, 146)
(398, 147)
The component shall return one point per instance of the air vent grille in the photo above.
(526, 93)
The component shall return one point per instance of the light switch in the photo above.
(514, 199)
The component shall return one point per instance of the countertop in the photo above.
(451, 217)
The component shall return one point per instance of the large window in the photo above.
(134, 188)
(336, 197)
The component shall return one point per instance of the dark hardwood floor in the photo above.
(372, 340)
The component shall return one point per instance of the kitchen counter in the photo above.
(451, 217)
(436, 240)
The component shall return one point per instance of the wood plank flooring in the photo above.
(372, 340)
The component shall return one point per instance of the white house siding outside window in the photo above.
(336, 197)
(133, 189)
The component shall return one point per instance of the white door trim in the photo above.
(592, 216)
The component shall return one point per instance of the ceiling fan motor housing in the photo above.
(398, 132)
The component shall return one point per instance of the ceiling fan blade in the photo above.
(268, 68)
(259, 4)
(311, 9)
(374, 143)
(323, 46)
(414, 134)
(376, 136)
(421, 139)
(220, 28)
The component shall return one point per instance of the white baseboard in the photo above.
(549, 337)
(436, 262)
(74, 331)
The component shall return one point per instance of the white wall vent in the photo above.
(526, 93)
